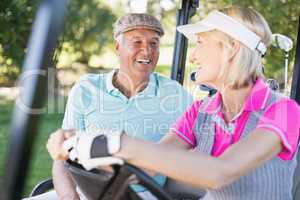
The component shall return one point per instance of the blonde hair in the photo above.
(246, 65)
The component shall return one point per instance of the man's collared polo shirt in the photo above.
(94, 104)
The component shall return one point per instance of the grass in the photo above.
(40, 164)
(5, 116)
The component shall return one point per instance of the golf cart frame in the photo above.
(46, 29)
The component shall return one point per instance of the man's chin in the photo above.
(144, 74)
(145, 71)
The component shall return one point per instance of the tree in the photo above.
(88, 28)
(282, 16)
(15, 21)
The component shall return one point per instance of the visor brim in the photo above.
(190, 31)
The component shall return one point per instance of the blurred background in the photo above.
(86, 46)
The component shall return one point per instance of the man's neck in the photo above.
(129, 86)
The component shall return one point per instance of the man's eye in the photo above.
(137, 42)
(153, 44)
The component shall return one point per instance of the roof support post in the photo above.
(187, 10)
(295, 88)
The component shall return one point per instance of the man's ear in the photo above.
(117, 46)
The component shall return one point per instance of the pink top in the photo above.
(281, 117)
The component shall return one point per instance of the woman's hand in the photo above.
(91, 150)
(55, 144)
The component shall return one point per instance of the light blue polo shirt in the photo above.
(95, 104)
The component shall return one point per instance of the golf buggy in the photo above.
(95, 184)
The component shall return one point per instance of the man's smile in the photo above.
(144, 61)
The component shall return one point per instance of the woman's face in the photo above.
(208, 56)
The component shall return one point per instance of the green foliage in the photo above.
(88, 28)
(8, 74)
(16, 17)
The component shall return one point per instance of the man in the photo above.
(132, 98)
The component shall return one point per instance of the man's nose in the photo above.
(146, 48)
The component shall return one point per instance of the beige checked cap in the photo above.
(133, 21)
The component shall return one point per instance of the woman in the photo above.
(240, 143)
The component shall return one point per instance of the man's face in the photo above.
(138, 51)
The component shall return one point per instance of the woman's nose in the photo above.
(192, 56)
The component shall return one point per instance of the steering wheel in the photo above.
(101, 184)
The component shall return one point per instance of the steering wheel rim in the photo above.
(111, 182)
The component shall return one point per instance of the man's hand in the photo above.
(55, 144)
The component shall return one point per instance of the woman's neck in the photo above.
(233, 100)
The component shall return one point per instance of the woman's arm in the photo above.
(199, 169)
(191, 167)
(172, 139)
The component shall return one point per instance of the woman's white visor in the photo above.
(219, 21)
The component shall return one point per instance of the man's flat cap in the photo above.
(136, 21)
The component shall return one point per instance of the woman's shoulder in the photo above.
(277, 99)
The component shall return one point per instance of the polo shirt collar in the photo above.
(109, 78)
(259, 96)
(256, 101)
(149, 91)
(214, 104)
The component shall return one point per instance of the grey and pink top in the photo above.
(204, 129)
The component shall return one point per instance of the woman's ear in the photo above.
(234, 49)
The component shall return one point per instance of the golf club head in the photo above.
(282, 42)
